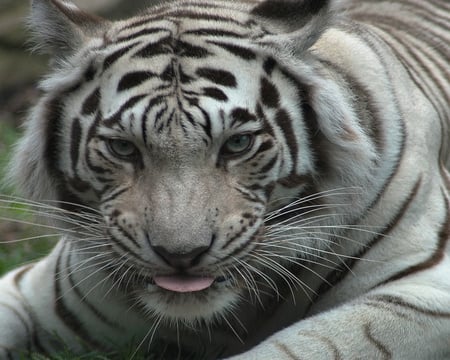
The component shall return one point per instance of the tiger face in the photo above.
(179, 158)
(190, 164)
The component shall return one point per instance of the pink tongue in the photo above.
(180, 283)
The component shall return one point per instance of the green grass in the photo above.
(15, 251)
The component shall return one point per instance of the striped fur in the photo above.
(294, 152)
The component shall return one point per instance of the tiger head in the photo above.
(205, 145)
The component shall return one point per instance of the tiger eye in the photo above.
(238, 144)
(122, 148)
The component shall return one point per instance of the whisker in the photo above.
(249, 283)
(43, 209)
(271, 283)
(224, 318)
(296, 259)
(303, 219)
(287, 276)
(318, 195)
(319, 250)
(24, 201)
(151, 332)
(305, 210)
(25, 222)
(37, 237)
(117, 282)
(81, 265)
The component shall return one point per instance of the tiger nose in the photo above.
(181, 260)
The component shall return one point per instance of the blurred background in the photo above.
(20, 71)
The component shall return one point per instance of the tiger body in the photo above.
(246, 180)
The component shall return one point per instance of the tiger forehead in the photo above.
(162, 74)
(169, 50)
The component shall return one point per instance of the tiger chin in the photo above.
(238, 180)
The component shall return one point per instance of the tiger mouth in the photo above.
(182, 283)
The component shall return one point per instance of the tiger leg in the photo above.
(16, 326)
(28, 322)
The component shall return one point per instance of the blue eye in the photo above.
(237, 144)
(122, 148)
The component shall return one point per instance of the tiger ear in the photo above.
(294, 25)
(60, 27)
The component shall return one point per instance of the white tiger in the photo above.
(240, 180)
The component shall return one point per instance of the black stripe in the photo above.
(91, 104)
(198, 16)
(184, 78)
(82, 298)
(265, 145)
(287, 10)
(241, 116)
(125, 249)
(236, 50)
(295, 180)
(269, 165)
(75, 142)
(98, 169)
(168, 75)
(220, 77)
(370, 40)
(134, 79)
(435, 258)
(185, 49)
(425, 69)
(161, 99)
(213, 32)
(162, 47)
(63, 312)
(115, 223)
(146, 31)
(267, 125)
(117, 117)
(18, 277)
(270, 96)
(168, 45)
(52, 136)
(112, 58)
(107, 160)
(283, 348)
(236, 236)
(269, 66)
(250, 197)
(243, 246)
(215, 93)
(159, 117)
(387, 355)
(311, 124)
(90, 73)
(207, 126)
(398, 301)
(25, 323)
(188, 116)
(342, 271)
(284, 121)
(115, 194)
